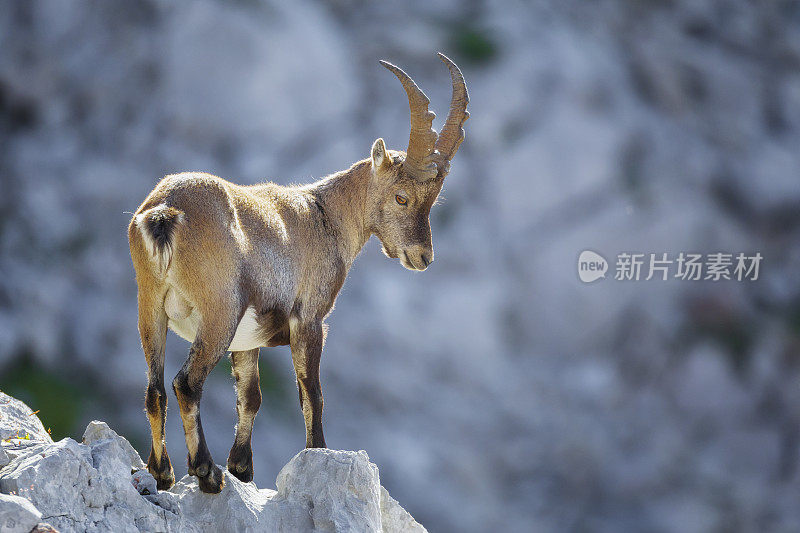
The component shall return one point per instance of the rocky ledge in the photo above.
(101, 484)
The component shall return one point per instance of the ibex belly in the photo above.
(185, 320)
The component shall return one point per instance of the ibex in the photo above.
(236, 268)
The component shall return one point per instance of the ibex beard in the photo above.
(236, 268)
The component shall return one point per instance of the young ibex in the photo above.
(234, 268)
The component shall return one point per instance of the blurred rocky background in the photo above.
(496, 392)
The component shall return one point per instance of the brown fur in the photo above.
(285, 252)
(236, 268)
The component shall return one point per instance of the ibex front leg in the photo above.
(306, 341)
(248, 400)
(208, 348)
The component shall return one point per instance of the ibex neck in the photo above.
(343, 196)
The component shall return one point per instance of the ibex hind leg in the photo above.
(153, 330)
(248, 400)
(211, 343)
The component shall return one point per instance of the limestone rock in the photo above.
(90, 487)
(100, 495)
(395, 518)
(18, 420)
(144, 482)
(342, 488)
(43, 527)
(17, 515)
(99, 434)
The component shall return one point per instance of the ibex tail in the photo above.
(158, 229)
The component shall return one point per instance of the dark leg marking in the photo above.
(188, 387)
(158, 464)
(248, 400)
(306, 343)
(153, 330)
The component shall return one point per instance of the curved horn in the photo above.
(419, 156)
(452, 133)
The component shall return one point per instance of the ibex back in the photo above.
(234, 268)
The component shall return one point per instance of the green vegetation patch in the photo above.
(59, 400)
(473, 43)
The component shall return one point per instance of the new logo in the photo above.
(591, 266)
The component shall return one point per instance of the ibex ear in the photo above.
(380, 156)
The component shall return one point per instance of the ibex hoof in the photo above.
(161, 470)
(164, 480)
(240, 463)
(213, 481)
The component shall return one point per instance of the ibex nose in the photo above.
(419, 257)
(427, 259)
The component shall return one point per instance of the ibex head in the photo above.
(405, 185)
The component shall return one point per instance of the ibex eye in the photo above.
(402, 200)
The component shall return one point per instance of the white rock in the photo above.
(4, 459)
(318, 490)
(17, 515)
(342, 488)
(144, 482)
(17, 419)
(241, 506)
(100, 495)
(396, 519)
(98, 433)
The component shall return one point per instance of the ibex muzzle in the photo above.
(233, 268)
